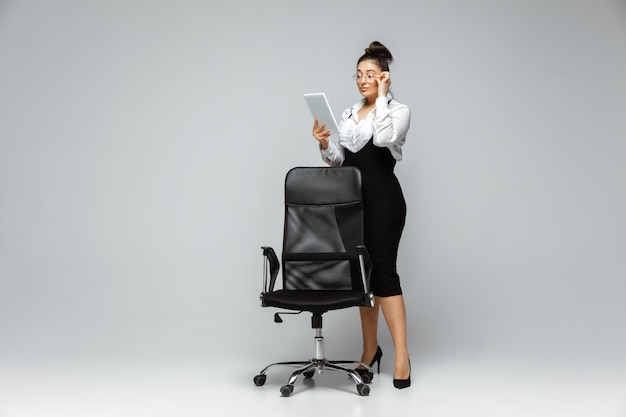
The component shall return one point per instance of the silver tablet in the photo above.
(318, 104)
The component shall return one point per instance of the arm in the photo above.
(392, 119)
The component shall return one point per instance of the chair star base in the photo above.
(309, 368)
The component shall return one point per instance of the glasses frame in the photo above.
(368, 77)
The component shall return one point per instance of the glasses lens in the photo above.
(368, 77)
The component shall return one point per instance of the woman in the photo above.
(371, 135)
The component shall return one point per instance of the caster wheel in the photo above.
(309, 374)
(286, 390)
(259, 380)
(363, 390)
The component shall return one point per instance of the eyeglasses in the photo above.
(367, 77)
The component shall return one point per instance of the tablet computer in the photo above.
(318, 104)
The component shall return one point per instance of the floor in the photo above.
(199, 388)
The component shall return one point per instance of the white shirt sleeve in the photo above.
(391, 124)
(334, 154)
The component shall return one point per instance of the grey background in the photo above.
(143, 146)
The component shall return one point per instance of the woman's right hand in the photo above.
(321, 134)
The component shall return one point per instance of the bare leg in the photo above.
(395, 316)
(369, 329)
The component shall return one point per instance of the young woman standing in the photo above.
(371, 135)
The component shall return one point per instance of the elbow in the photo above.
(383, 141)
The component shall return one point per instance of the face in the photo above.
(365, 78)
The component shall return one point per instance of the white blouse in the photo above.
(387, 124)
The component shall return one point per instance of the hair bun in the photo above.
(377, 48)
(379, 53)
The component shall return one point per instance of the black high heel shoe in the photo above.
(367, 375)
(403, 383)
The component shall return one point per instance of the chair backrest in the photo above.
(323, 225)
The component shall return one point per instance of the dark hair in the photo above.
(378, 53)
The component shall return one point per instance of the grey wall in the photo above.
(143, 146)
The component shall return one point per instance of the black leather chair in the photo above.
(325, 264)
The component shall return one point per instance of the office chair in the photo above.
(325, 264)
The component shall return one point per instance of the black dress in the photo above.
(384, 214)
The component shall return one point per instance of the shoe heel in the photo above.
(377, 358)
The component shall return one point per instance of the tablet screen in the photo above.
(318, 104)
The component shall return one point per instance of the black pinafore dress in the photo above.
(384, 214)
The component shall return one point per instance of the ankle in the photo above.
(402, 356)
(370, 350)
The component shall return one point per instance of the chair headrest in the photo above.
(322, 185)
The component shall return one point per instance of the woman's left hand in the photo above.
(384, 81)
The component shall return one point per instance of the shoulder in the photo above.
(393, 103)
(398, 108)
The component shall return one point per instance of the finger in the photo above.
(319, 129)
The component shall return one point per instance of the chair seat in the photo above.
(314, 300)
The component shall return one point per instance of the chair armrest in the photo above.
(365, 264)
(271, 266)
